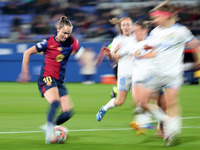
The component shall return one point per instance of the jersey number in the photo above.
(122, 81)
(47, 80)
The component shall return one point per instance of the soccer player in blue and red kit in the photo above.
(57, 50)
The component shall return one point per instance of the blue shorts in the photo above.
(45, 83)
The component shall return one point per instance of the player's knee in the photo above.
(119, 101)
(144, 106)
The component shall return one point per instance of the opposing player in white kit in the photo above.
(141, 68)
(125, 65)
(169, 39)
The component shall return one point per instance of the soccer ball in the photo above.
(61, 134)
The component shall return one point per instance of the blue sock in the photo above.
(52, 111)
(63, 117)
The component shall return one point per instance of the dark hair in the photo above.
(117, 23)
(62, 22)
(144, 24)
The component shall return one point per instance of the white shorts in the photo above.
(157, 83)
(124, 83)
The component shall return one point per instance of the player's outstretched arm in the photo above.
(100, 56)
(194, 44)
(150, 54)
(24, 76)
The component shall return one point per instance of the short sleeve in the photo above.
(75, 45)
(186, 34)
(127, 49)
(114, 44)
(41, 46)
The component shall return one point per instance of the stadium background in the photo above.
(25, 22)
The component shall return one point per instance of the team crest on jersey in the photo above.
(59, 48)
(60, 57)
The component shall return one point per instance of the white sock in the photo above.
(142, 119)
(148, 114)
(50, 131)
(177, 124)
(138, 109)
(172, 126)
(110, 104)
(158, 113)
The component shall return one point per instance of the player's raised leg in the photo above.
(67, 110)
(52, 96)
(114, 102)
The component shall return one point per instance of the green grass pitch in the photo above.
(22, 111)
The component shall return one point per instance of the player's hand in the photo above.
(23, 77)
(197, 65)
(106, 51)
(147, 47)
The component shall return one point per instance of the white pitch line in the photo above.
(190, 117)
(181, 118)
(120, 129)
(195, 127)
(87, 130)
(20, 132)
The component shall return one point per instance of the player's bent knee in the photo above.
(119, 102)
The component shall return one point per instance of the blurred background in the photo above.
(25, 22)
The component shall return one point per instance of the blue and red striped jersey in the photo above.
(56, 55)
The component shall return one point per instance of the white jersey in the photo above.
(125, 65)
(170, 44)
(142, 66)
